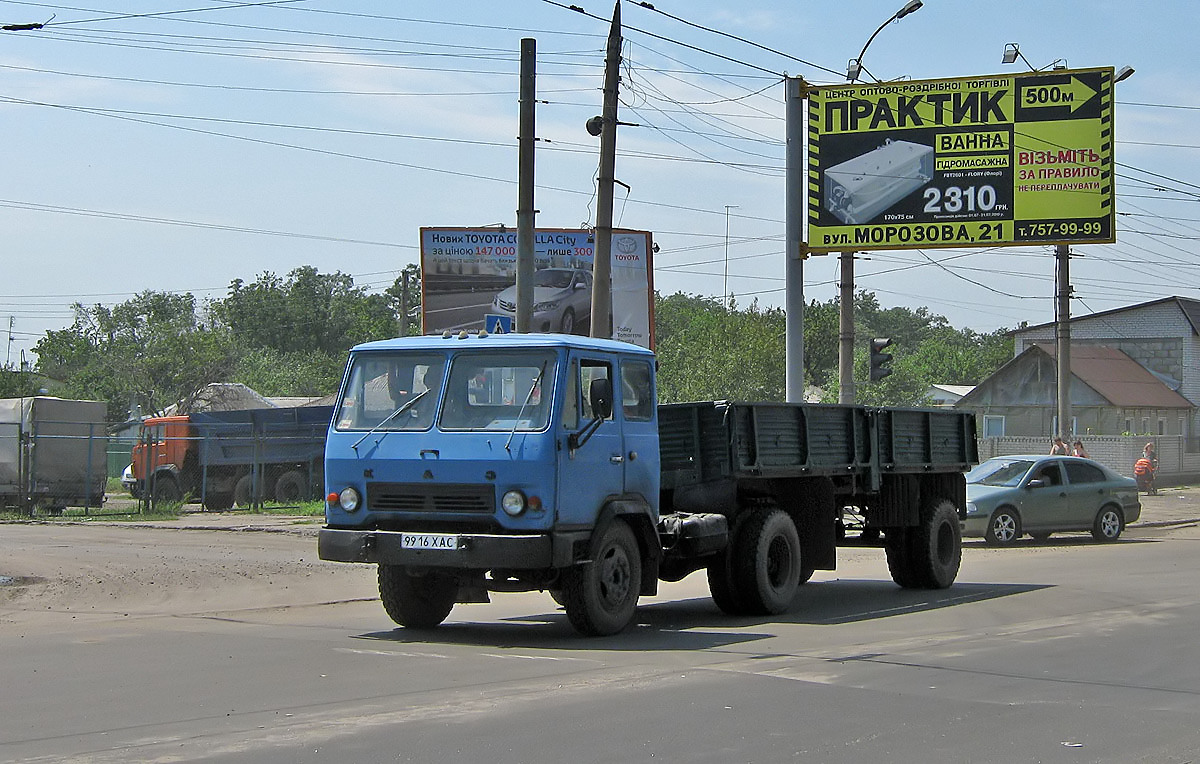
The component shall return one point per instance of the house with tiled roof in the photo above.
(1163, 336)
(1135, 377)
(1111, 394)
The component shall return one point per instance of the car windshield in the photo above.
(553, 277)
(381, 383)
(1007, 472)
(503, 392)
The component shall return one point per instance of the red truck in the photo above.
(223, 458)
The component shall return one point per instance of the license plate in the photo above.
(428, 541)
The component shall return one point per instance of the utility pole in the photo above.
(794, 250)
(8, 358)
(602, 262)
(525, 166)
(1062, 254)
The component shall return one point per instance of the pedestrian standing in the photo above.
(1059, 448)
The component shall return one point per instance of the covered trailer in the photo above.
(53, 453)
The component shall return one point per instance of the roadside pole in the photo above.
(602, 262)
(525, 175)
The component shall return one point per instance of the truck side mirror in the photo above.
(600, 397)
(600, 394)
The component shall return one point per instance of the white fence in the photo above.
(1118, 452)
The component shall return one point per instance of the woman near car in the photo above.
(1077, 449)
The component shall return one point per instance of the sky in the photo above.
(177, 146)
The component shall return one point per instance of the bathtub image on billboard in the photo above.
(860, 188)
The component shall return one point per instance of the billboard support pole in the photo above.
(1062, 256)
(602, 262)
(846, 329)
(525, 166)
(794, 248)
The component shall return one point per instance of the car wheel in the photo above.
(1004, 528)
(567, 324)
(1109, 524)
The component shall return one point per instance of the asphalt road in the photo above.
(129, 644)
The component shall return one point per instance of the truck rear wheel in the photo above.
(218, 501)
(291, 487)
(927, 556)
(601, 595)
(416, 601)
(242, 491)
(766, 563)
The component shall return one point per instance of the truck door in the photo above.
(596, 469)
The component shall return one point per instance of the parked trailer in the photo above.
(223, 458)
(52, 453)
(473, 464)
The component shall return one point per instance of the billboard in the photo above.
(468, 281)
(989, 161)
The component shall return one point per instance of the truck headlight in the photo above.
(513, 503)
(349, 499)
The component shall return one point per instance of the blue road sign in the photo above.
(497, 324)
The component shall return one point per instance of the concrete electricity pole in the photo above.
(602, 261)
(525, 205)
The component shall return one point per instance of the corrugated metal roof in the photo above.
(1119, 378)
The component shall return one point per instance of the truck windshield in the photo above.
(499, 391)
(380, 383)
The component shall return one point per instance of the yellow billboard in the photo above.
(989, 161)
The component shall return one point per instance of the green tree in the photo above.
(152, 350)
(304, 373)
(306, 311)
(709, 351)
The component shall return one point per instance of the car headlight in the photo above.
(542, 307)
(972, 509)
(513, 503)
(349, 499)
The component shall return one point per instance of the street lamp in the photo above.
(855, 67)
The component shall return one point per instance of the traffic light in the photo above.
(879, 358)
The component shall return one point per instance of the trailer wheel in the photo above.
(766, 563)
(928, 556)
(291, 487)
(416, 601)
(601, 595)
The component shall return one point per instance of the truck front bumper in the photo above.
(476, 551)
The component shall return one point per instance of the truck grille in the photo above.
(431, 497)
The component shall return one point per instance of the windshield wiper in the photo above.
(403, 407)
(528, 396)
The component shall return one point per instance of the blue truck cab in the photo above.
(469, 463)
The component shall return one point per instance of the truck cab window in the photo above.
(381, 383)
(499, 392)
(637, 391)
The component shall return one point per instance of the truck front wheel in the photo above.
(601, 595)
(416, 601)
(766, 563)
(164, 491)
